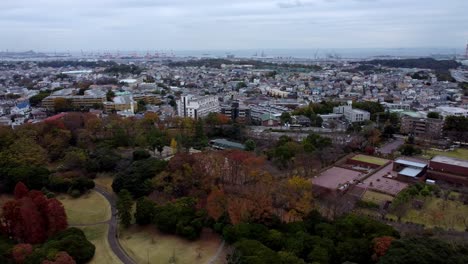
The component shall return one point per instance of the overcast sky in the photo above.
(231, 24)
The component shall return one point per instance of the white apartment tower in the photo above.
(197, 107)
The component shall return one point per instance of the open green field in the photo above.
(97, 234)
(87, 213)
(458, 153)
(376, 197)
(148, 245)
(90, 208)
(439, 213)
(370, 159)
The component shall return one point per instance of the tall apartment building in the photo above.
(197, 107)
(350, 114)
(422, 127)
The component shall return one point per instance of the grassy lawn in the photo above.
(376, 197)
(439, 213)
(370, 159)
(88, 209)
(104, 180)
(98, 236)
(144, 244)
(458, 153)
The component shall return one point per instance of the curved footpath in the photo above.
(113, 229)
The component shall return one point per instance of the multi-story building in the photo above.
(350, 114)
(451, 111)
(197, 107)
(90, 99)
(236, 111)
(422, 127)
(121, 103)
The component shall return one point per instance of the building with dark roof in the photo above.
(226, 144)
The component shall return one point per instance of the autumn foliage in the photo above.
(61, 258)
(31, 217)
(20, 252)
(381, 246)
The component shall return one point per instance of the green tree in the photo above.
(433, 115)
(424, 250)
(286, 118)
(250, 145)
(145, 210)
(124, 207)
(200, 139)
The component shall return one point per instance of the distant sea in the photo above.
(324, 53)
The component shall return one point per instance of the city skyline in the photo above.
(221, 25)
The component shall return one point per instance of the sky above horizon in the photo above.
(221, 24)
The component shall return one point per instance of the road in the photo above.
(113, 229)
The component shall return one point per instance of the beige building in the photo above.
(422, 127)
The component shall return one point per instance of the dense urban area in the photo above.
(169, 159)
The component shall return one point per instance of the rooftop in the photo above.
(410, 172)
(335, 176)
(410, 163)
(451, 161)
(370, 159)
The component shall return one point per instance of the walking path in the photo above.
(218, 252)
(113, 229)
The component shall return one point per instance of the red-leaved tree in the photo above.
(61, 258)
(20, 190)
(32, 218)
(20, 252)
(381, 246)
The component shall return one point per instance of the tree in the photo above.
(62, 105)
(61, 258)
(200, 139)
(435, 115)
(20, 190)
(286, 118)
(20, 252)
(409, 150)
(32, 218)
(136, 178)
(381, 246)
(124, 206)
(145, 209)
(173, 146)
(250, 145)
(424, 250)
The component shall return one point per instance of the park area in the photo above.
(460, 153)
(437, 212)
(148, 245)
(90, 213)
(376, 197)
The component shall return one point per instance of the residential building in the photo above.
(90, 99)
(236, 111)
(451, 111)
(350, 114)
(422, 127)
(197, 107)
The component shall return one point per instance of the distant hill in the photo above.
(421, 63)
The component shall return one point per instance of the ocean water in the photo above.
(325, 53)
